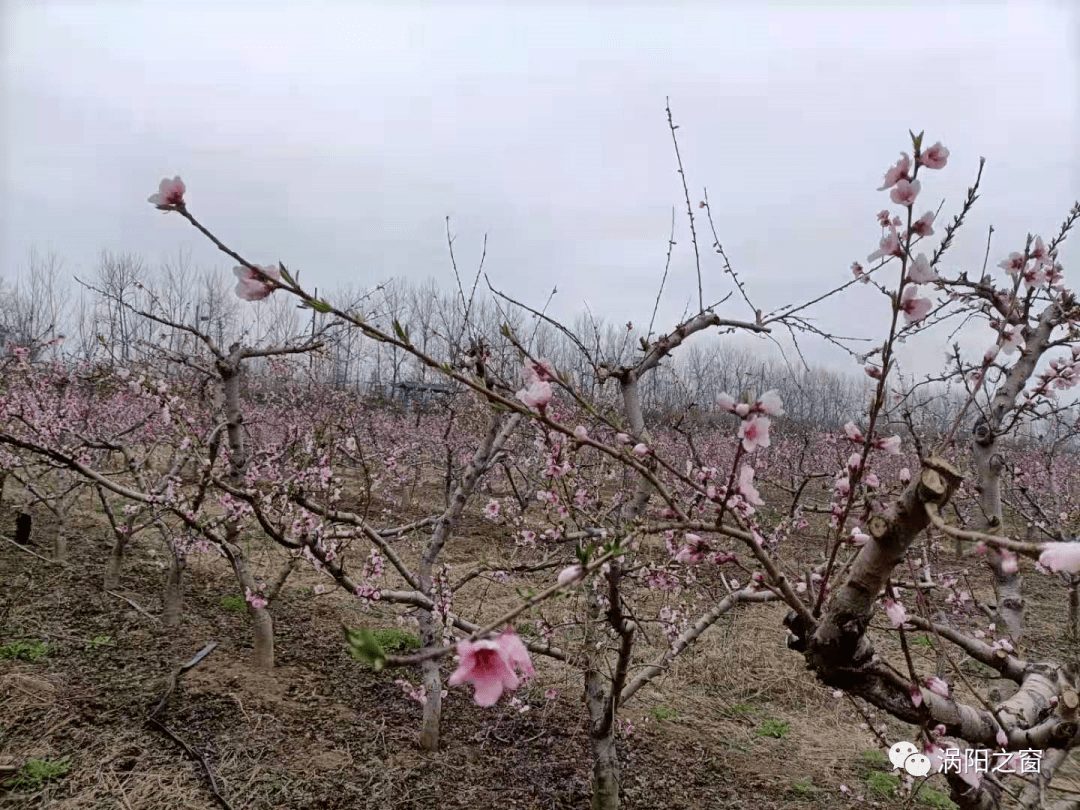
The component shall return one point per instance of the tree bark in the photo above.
(115, 562)
(605, 783)
(174, 590)
(430, 636)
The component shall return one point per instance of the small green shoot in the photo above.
(36, 772)
(24, 650)
(776, 729)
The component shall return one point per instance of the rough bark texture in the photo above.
(173, 609)
(60, 539)
(839, 644)
(115, 563)
(605, 795)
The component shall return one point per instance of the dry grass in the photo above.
(737, 722)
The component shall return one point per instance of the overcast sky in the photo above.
(337, 137)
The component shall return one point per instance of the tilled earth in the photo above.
(324, 731)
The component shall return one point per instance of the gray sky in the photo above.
(337, 137)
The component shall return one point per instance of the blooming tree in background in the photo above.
(649, 533)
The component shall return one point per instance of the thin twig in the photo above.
(133, 604)
(35, 554)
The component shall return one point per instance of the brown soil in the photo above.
(324, 731)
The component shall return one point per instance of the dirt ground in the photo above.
(737, 724)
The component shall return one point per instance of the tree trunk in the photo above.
(430, 636)
(174, 590)
(116, 561)
(605, 783)
(1007, 585)
(60, 544)
(262, 654)
(1008, 593)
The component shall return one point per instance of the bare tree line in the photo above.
(36, 310)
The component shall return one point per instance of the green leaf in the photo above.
(320, 306)
(505, 330)
(401, 331)
(285, 273)
(363, 646)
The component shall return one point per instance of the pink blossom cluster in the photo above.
(492, 665)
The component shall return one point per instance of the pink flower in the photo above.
(924, 225)
(905, 192)
(914, 308)
(935, 157)
(491, 511)
(581, 433)
(896, 612)
(726, 402)
(920, 271)
(916, 695)
(1002, 738)
(890, 445)
(251, 287)
(694, 551)
(1014, 264)
(770, 404)
(905, 475)
(859, 538)
(1061, 557)
(754, 433)
(256, 600)
(486, 665)
(170, 193)
(859, 273)
(937, 686)
(888, 246)
(641, 450)
(1013, 340)
(536, 396)
(853, 433)
(884, 217)
(623, 438)
(746, 486)
(1038, 250)
(898, 172)
(1034, 277)
(516, 652)
(1009, 563)
(568, 575)
(540, 371)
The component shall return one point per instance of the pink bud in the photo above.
(170, 193)
(896, 613)
(937, 686)
(571, 574)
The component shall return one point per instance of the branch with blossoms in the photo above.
(831, 631)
